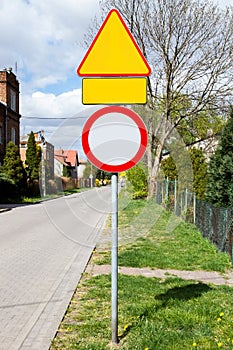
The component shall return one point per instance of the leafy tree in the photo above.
(199, 166)
(13, 169)
(169, 169)
(96, 173)
(89, 169)
(200, 127)
(66, 172)
(199, 172)
(102, 175)
(33, 158)
(137, 176)
(8, 189)
(188, 45)
(220, 170)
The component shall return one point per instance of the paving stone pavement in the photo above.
(202, 276)
(44, 250)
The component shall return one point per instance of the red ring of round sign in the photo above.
(105, 166)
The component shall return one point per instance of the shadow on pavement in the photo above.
(10, 206)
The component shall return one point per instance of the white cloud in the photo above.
(223, 3)
(47, 111)
(49, 105)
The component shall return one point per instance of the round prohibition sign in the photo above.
(114, 139)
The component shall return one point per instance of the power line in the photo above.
(50, 118)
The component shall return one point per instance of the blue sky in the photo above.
(41, 40)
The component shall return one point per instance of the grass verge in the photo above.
(153, 315)
(162, 241)
(32, 200)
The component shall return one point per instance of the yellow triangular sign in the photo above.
(114, 52)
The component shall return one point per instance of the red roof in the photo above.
(66, 156)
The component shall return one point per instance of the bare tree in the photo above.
(189, 46)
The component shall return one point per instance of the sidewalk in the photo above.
(202, 276)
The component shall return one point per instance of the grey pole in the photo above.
(186, 201)
(114, 259)
(167, 183)
(194, 208)
(175, 196)
(43, 170)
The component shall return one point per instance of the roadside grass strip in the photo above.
(161, 240)
(153, 315)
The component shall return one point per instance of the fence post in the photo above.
(162, 193)
(194, 208)
(166, 191)
(175, 195)
(181, 203)
(186, 201)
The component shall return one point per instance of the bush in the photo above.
(12, 169)
(33, 188)
(138, 181)
(8, 189)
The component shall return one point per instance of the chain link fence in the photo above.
(215, 223)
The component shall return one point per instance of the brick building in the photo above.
(9, 110)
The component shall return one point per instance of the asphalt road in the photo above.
(44, 249)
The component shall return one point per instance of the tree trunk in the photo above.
(153, 171)
(161, 132)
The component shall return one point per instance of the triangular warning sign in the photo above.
(114, 52)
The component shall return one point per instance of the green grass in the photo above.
(156, 238)
(154, 314)
(32, 200)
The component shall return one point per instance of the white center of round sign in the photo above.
(114, 139)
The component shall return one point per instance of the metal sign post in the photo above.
(114, 138)
(114, 259)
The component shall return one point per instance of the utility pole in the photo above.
(43, 150)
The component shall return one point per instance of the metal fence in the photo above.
(215, 223)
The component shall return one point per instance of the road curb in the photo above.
(3, 210)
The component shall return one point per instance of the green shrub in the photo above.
(137, 181)
(8, 189)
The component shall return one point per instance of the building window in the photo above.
(13, 135)
(0, 134)
(13, 100)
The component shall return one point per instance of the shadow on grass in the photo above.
(184, 293)
(176, 295)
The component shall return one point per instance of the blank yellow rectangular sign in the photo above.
(114, 91)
